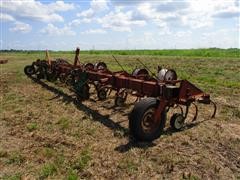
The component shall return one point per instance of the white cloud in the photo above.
(120, 21)
(127, 3)
(77, 22)
(99, 5)
(228, 12)
(202, 12)
(194, 13)
(96, 6)
(223, 38)
(197, 20)
(86, 14)
(147, 40)
(94, 31)
(6, 17)
(35, 10)
(21, 27)
(60, 6)
(56, 31)
(181, 34)
(164, 14)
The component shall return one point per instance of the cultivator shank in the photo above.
(157, 93)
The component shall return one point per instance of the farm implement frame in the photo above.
(155, 94)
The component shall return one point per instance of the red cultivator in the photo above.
(159, 93)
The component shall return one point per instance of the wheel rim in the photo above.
(179, 122)
(30, 70)
(148, 123)
(89, 66)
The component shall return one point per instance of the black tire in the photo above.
(51, 76)
(137, 72)
(119, 101)
(177, 121)
(84, 94)
(89, 66)
(137, 116)
(100, 66)
(102, 94)
(29, 70)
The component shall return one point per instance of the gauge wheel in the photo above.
(83, 94)
(119, 101)
(29, 70)
(177, 121)
(102, 94)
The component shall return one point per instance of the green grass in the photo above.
(48, 152)
(16, 176)
(47, 170)
(15, 158)
(213, 52)
(72, 175)
(209, 52)
(82, 160)
(31, 126)
(63, 123)
(129, 165)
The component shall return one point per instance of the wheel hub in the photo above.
(179, 122)
(148, 123)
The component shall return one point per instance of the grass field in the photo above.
(45, 134)
(210, 52)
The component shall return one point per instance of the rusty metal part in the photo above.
(165, 88)
(215, 109)
(138, 71)
(196, 112)
(76, 59)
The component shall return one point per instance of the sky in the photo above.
(119, 24)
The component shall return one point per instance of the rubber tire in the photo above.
(172, 121)
(85, 93)
(101, 65)
(136, 116)
(119, 101)
(27, 68)
(89, 66)
(103, 90)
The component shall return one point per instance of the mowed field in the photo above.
(45, 134)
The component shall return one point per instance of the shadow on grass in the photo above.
(105, 120)
(132, 143)
(144, 145)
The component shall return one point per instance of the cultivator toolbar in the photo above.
(155, 94)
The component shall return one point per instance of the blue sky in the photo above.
(119, 24)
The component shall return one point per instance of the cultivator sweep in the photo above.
(155, 94)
